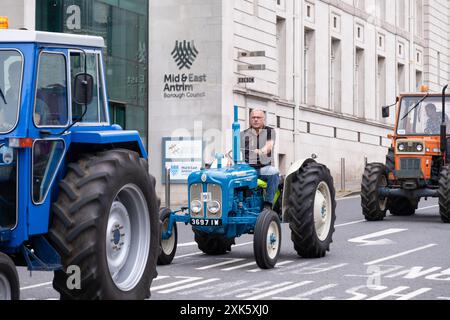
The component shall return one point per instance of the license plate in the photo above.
(206, 222)
(206, 196)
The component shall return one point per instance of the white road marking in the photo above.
(364, 240)
(257, 290)
(396, 293)
(239, 267)
(400, 254)
(349, 198)
(188, 255)
(443, 298)
(176, 283)
(430, 207)
(229, 261)
(187, 244)
(349, 223)
(289, 287)
(276, 266)
(161, 277)
(37, 285)
(308, 293)
(242, 244)
(187, 286)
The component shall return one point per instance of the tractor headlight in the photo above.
(419, 147)
(196, 206)
(401, 147)
(213, 207)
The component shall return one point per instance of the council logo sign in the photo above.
(184, 54)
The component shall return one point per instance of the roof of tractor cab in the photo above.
(26, 36)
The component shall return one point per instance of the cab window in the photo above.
(79, 63)
(50, 108)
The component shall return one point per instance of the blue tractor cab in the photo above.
(227, 202)
(75, 192)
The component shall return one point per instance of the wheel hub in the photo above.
(322, 211)
(128, 237)
(273, 240)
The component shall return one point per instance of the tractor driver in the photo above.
(257, 145)
(10, 100)
(434, 120)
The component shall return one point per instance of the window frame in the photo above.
(36, 87)
(54, 173)
(100, 77)
(20, 89)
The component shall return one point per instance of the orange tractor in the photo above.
(418, 162)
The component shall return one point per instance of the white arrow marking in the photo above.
(364, 240)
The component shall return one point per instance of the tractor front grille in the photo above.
(409, 164)
(216, 195)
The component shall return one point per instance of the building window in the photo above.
(335, 75)
(359, 33)
(309, 12)
(359, 90)
(381, 41)
(336, 23)
(400, 78)
(309, 71)
(281, 45)
(381, 83)
(419, 80)
(401, 50)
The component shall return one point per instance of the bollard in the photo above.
(342, 174)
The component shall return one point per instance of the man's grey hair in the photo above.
(258, 110)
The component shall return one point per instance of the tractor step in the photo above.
(43, 257)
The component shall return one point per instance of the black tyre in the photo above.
(402, 207)
(168, 246)
(444, 194)
(312, 210)
(267, 239)
(9, 279)
(105, 222)
(373, 207)
(390, 160)
(212, 244)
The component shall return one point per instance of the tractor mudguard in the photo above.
(287, 183)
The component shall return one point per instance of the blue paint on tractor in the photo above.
(23, 230)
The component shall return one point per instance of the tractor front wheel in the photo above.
(168, 246)
(444, 194)
(105, 223)
(9, 279)
(267, 239)
(212, 244)
(312, 210)
(373, 207)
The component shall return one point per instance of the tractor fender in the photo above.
(288, 181)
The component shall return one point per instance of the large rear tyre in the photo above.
(373, 207)
(401, 206)
(444, 194)
(212, 244)
(168, 246)
(9, 279)
(267, 239)
(105, 222)
(312, 210)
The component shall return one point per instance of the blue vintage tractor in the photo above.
(76, 197)
(227, 202)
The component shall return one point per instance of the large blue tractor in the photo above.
(227, 202)
(76, 197)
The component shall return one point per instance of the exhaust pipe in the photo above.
(236, 137)
(444, 126)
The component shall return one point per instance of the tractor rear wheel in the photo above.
(311, 209)
(401, 206)
(9, 279)
(212, 244)
(168, 246)
(105, 222)
(373, 207)
(267, 239)
(444, 194)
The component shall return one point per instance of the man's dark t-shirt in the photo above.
(251, 141)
